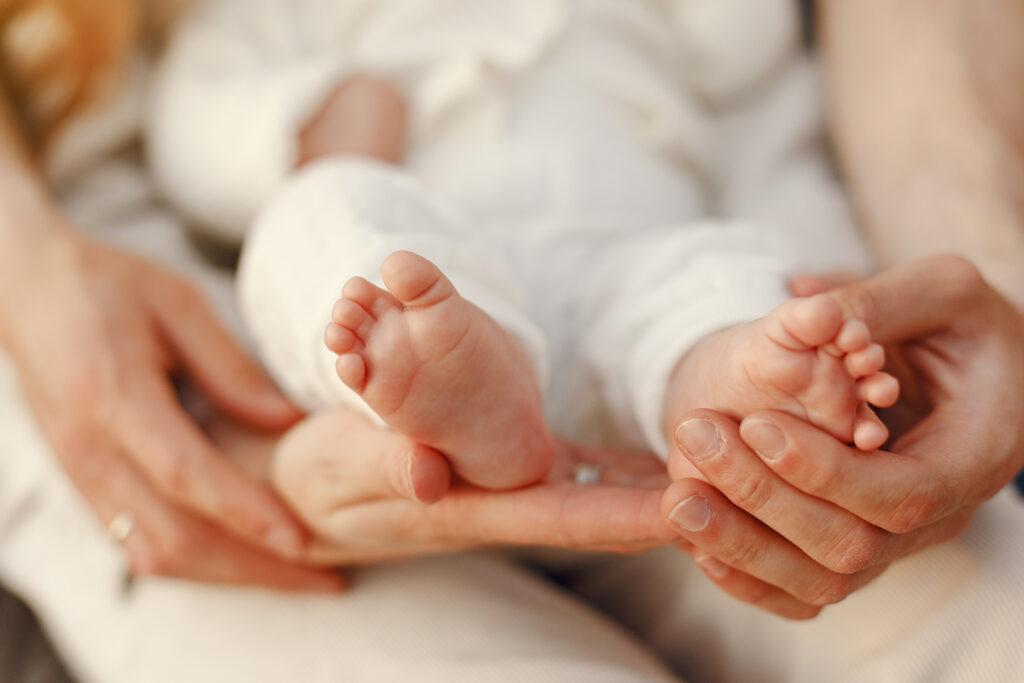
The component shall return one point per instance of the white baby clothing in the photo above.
(583, 170)
(948, 614)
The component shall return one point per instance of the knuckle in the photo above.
(170, 473)
(753, 492)
(853, 547)
(742, 554)
(919, 507)
(829, 590)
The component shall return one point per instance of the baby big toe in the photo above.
(415, 280)
(370, 297)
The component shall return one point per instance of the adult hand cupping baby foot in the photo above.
(362, 488)
(794, 519)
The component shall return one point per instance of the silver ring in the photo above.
(587, 473)
(121, 526)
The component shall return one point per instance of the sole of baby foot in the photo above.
(440, 371)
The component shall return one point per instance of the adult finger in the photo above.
(746, 588)
(165, 541)
(704, 517)
(830, 535)
(366, 461)
(565, 515)
(178, 459)
(561, 515)
(212, 357)
(896, 492)
(913, 299)
(809, 285)
(174, 543)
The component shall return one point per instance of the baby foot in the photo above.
(440, 371)
(804, 359)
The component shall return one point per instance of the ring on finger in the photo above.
(121, 526)
(587, 473)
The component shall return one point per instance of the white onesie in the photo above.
(611, 181)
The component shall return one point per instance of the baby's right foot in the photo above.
(802, 358)
(440, 371)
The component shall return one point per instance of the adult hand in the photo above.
(373, 495)
(96, 336)
(793, 520)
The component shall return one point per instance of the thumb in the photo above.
(810, 285)
(914, 299)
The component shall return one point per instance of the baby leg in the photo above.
(339, 220)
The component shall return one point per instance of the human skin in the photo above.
(931, 140)
(928, 122)
(383, 497)
(794, 520)
(109, 409)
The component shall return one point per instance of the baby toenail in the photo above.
(693, 514)
(698, 437)
(764, 437)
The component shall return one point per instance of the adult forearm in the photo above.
(929, 126)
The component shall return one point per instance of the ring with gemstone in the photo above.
(587, 473)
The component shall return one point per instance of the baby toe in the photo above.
(370, 297)
(869, 433)
(341, 339)
(352, 316)
(351, 369)
(852, 336)
(879, 389)
(866, 361)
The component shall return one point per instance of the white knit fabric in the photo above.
(551, 189)
(546, 133)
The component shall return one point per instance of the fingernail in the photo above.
(698, 437)
(765, 438)
(713, 567)
(285, 541)
(693, 514)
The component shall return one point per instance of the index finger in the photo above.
(898, 492)
(177, 458)
(561, 515)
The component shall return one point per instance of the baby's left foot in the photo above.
(804, 359)
(443, 373)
